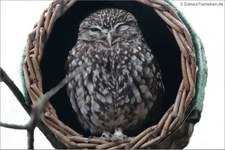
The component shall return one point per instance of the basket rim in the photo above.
(171, 121)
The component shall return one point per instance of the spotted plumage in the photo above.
(122, 85)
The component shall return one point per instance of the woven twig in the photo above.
(171, 125)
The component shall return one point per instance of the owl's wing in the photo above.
(77, 88)
(147, 77)
(70, 58)
(75, 53)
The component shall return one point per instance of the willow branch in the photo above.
(15, 90)
(13, 126)
(30, 138)
(34, 114)
(39, 109)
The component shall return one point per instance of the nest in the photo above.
(173, 129)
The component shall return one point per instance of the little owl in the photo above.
(121, 87)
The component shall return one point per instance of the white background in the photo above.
(17, 20)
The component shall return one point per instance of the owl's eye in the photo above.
(122, 27)
(94, 29)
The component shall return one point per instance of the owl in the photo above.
(121, 88)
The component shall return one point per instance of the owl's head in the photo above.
(108, 27)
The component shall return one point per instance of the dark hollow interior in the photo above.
(63, 38)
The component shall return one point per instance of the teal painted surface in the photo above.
(25, 92)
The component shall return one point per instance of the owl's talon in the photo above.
(118, 135)
(106, 135)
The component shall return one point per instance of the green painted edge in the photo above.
(201, 79)
(25, 92)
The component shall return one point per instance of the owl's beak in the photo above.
(109, 39)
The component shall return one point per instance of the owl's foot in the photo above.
(118, 135)
(106, 135)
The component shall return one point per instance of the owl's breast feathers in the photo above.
(119, 88)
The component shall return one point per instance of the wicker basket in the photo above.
(181, 111)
